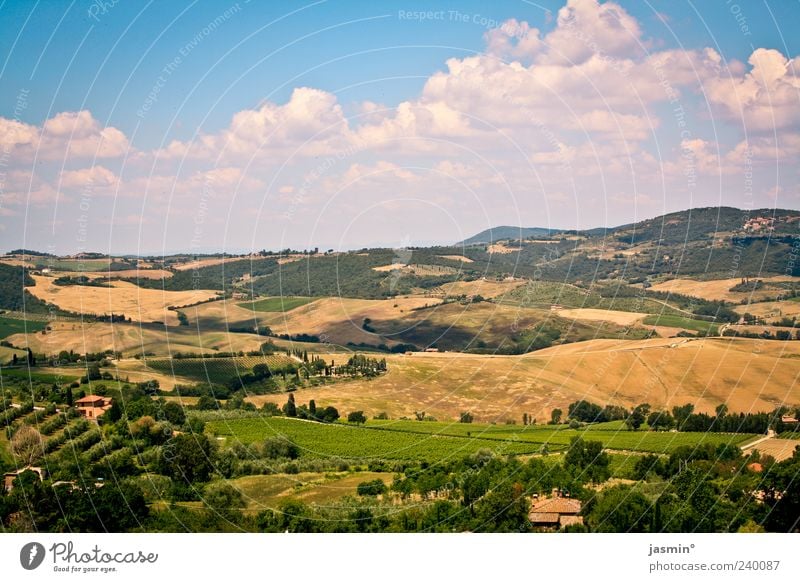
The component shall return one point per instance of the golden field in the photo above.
(146, 305)
(747, 375)
(719, 289)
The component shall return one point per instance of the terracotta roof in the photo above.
(88, 399)
(537, 517)
(559, 505)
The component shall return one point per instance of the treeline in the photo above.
(681, 418)
(779, 335)
(14, 296)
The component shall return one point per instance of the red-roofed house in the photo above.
(93, 407)
(555, 512)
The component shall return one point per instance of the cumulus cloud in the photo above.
(96, 177)
(583, 105)
(766, 98)
(67, 136)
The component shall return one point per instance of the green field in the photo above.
(350, 442)
(276, 304)
(85, 266)
(438, 440)
(613, 435)
(683, 322)
(215, 370)
(37, 376)
(10, 326)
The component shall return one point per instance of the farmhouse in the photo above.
(8, 478)
(555, 512)
(93, 407)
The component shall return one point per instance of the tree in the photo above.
(174, 413)
(681, 414)
(206, 402)
(271, 409)
(70, 397)
(555, 416)
(585, 411)
(114, 413)
(188, 458)
(638, 417)
(465, 418)
(312, 408)
(223, 498)
(371, 488)
(27, 444)
(357, 417)
(660, 420)
(587, 458)
(328, 414)
(278, 448)
(290, 408)
(721, 410)
(620, 509)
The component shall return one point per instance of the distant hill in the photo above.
(683, 226)
(507, 233)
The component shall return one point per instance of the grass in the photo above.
(10, 326)
(682, 322)
(88, 265)
(276, 304)
(262, 491)
(39, 376)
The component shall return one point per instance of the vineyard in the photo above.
(438, 440)
(612, 436)
(217, 370)
(349, 442)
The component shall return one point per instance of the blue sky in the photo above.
(179, 72)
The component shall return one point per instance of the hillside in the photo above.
(499, 233)
(661, 372)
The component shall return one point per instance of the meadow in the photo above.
(10, 326)
(276, 304)
(682, 322)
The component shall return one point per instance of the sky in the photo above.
(152, 128)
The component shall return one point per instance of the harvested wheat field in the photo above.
(662, 372)
(771, 310)
(460, 258)
(618, 317)
(389, 268)
(341, 320)
(501, 249)
(418, 270)
(719, 289)
(779, 449)
(486, 288)
(146, 305)
(212, 261)
(132, 339)
(126, 274)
